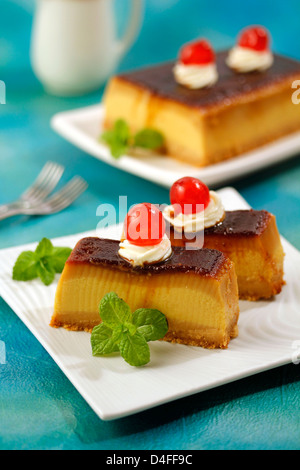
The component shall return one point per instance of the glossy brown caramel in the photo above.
(104, 252)
(231, 86)
(241, 223)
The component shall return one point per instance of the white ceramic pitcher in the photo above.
(74, 48)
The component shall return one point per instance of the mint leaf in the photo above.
(118, 149)
(118, 138)
(104, 340)
(108, 136)
(150, 323)
(114, 311)
(120, 330)
(149, 139)
(122, 130)
(134, 349)
(26, 267)
(59, 257)
(46, 271)
(44, 248)
(44, 262)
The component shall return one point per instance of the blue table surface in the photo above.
(39, 407)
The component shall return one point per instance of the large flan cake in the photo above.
(235, 114)
(197, 292)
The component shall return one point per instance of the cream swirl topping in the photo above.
(195, 76)
(245, 60)
(188, 223)
(140, 255)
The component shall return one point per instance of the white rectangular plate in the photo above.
(82, 127)
(269, 333)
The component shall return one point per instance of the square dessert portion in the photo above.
(251, 240)
(240, 112)
(197, 292)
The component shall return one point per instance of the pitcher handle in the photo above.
(136, 14)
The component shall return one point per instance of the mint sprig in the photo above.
(120, 140)
(148, 139)
(117, 139)
(126, 332)
(44, 262)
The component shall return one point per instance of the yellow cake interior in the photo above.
(200, 310)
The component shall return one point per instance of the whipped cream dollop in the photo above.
(195, 76)
(188, 223)
(244, 60)
(140, 255)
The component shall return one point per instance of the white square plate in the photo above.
(269, 335)
(82, 127)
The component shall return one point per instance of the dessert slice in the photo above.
(196, 291)
(239, 112)
(249, 238)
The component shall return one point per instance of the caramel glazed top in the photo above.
(240, 223)
(230, 87)
(104, 252)
(207, 262)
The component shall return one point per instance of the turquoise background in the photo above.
(39, 407)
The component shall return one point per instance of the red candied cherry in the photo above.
(256, 38)
(144, 225)
(187, 193)
(197, 53)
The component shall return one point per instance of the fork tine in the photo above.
(66, 190)
(50, 184)
(39, 179)
(44, 183)
(63, 198)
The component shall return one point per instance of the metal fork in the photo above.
(59, 201)
(40, 188)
